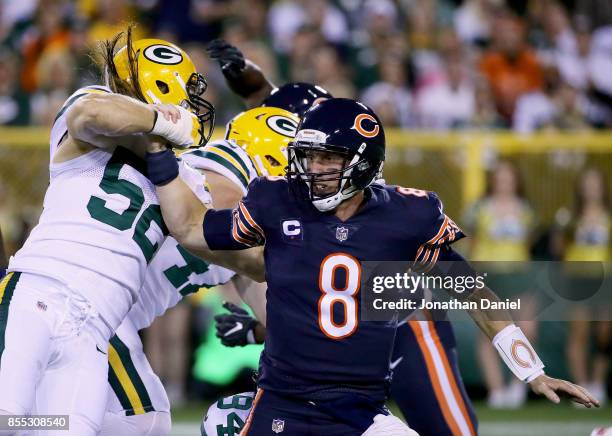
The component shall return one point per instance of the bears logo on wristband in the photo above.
(516, 344)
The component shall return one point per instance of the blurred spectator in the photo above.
(287, 16)
(111, 17)
(597, 11)
(424, 17)
(485, 113)
(87, 73)
(390, 97)
(329, 72)
(192, 20)
(510, 66)
(587, 238)
(374, 36)
(501, 224)
(299, 66)
(55, 75)
(572, 59)
(472, 21)
(555, 33)
(48, 33)
(14, 102)
(599, 67)
(252, 16)
(449, 103)
(557, 105)
(14, 14)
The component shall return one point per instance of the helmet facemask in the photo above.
(202, 108)
(355, 174)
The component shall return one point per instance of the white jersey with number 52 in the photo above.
(101, 224)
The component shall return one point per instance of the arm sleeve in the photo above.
(440, 232)
(235, 229)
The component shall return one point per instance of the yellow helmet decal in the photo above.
(264, 133)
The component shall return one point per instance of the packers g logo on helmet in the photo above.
(163, 54)
(282, 125)
(264, 132)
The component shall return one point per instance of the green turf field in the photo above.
(536, 419)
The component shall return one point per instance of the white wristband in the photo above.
(179, 133)
(518, 354)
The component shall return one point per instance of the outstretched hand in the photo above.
(554, 388)
(230, 59)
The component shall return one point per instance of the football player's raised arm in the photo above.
(99, 119)
(242, 76)
(95, 117)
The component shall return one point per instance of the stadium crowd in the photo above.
(421, 64)
(431, 64)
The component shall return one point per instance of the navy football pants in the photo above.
(426, 383)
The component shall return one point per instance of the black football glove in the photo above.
(236, 328)
(230, 59)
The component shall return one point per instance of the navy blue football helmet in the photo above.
(345, 127)
(295, 97)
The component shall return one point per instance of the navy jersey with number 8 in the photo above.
(316, 345)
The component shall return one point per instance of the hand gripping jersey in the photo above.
(316, 346)
(101, 224)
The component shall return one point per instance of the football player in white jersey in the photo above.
(254, 145)
(76, 277)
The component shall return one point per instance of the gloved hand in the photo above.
(230, 59)
(236, 328)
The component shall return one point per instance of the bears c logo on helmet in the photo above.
(358, 125)
(282, 125)
(163, 54)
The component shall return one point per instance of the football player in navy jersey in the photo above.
(323, 371)
(431, 397)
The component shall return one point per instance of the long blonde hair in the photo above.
(104, 57)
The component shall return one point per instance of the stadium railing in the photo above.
(452, 163)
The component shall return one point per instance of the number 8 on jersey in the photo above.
(332, 295)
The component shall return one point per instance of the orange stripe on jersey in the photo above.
(451, 378)
(250, 219)
(247, 425)
(434, 259)
(245, 230)
(433, 376)
(440, 232)
(239, 238)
